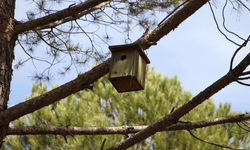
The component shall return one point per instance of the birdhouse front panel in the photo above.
(122, 64)
(127, 68)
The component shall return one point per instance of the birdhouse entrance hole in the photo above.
(123, 57)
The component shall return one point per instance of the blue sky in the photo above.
(195, 51)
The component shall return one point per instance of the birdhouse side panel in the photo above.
(141, 71)
(122, 64)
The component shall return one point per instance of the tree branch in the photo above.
(55, 130)
(71, 18)
(214, 144)
(170, 24)
(91, 76)
(81, 82)
(99, 71)
(173, 117)
(71, 11)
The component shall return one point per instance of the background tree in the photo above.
(54, 28)
(103, 106)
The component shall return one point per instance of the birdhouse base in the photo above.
(126, 84)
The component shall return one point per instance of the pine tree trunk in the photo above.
(7, 44)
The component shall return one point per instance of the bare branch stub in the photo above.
(1, 144)
(103, 144)
(69, 131)
(65, 138)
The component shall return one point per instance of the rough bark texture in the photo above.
(7, 44)
(81, 82)
(124, 130)
(68, 12)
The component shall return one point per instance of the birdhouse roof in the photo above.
(126, 47)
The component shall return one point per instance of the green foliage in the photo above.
(103, 106)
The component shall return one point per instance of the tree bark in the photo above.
(81, 82)
(174, 116)
(123, 130)
(7, 44)
(68, 12)
(99, 71)
(7, 40)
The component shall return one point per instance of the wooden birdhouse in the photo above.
(128, 67)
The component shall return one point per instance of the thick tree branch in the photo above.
(170, 24)
(91, 76)
(71, 18)
(55, 130)
(173, 117)
(81, 82)
(71, 11)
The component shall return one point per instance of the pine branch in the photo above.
(71, 18)
(91, 76)
(81, 82)
(124, 130)
(68, 12)
(171, 24)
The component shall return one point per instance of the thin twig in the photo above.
(238, 49)
(173, 12)
(231, 64)
(93, 47)
(65, 138)
(243, 4)
(31, 57)
(246, 124)
(239, 125)
(219, 27)
(224, 22)
(48, 43)
(103, 144)
(212, 143)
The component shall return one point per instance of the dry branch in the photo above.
(124, 130)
